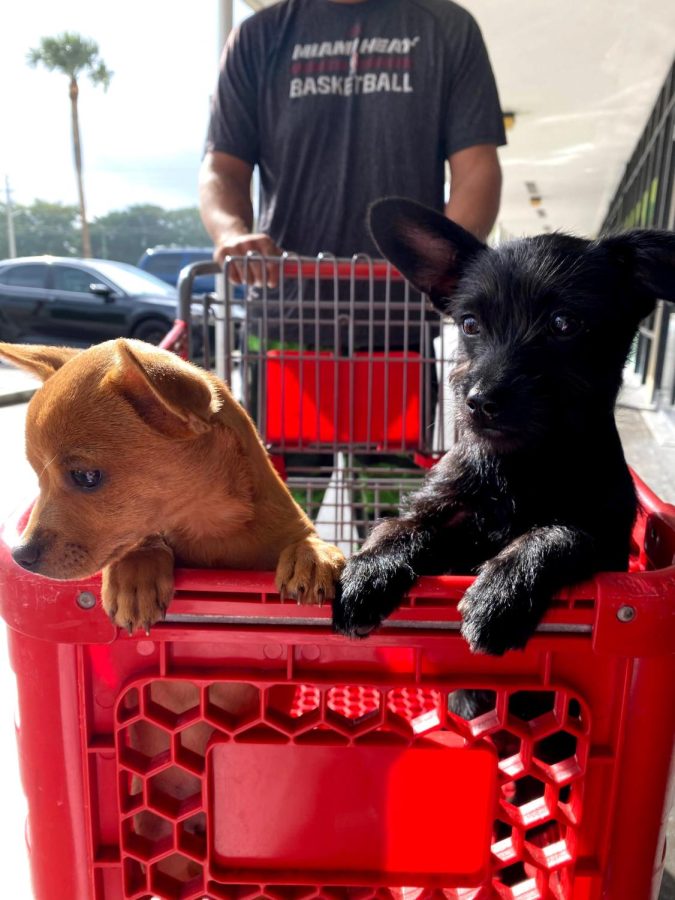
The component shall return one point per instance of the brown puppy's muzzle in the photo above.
(29, 553)
(44, 552)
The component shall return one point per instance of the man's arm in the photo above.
(227, 212)
(475, 189)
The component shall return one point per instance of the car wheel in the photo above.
(152, 331)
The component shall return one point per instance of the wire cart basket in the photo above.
(344, 368)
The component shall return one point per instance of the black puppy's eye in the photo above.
(565, 326)
(470, 325)
(87, 479)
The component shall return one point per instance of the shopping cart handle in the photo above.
(358, 268)
(326, 268)
(186, 278)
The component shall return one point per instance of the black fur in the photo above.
(536, 494)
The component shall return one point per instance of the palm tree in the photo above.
(73, 55)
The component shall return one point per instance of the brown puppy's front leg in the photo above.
(138, 587)
(308, 570)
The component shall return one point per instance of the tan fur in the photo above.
(186, 480)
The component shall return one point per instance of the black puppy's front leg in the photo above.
(376, 578)
(504, 605)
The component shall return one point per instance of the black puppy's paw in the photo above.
(368, 591)
(499, 612)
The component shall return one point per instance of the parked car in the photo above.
(62, 300)
(167, 262)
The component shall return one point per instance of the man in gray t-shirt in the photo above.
(340, 102)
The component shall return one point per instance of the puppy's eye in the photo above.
(470, 325)
(565, 326)
(87, 479)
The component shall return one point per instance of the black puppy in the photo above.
(536, 494)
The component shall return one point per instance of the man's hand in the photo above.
(250, 272)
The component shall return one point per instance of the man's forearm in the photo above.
(475, 192)
(227, 214)
(225, 204)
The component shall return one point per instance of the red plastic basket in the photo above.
(345, 773)
(317, 399)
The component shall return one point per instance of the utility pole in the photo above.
(225, 23)
(11, 239)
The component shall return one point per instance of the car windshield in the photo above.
(133, 280)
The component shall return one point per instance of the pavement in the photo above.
(648, 436)
(648, 439)
(15, 386)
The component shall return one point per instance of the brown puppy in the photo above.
(146, 461)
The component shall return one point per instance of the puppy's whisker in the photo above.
(47, 465)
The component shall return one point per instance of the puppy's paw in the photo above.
(138, 588)
(308, 570)
(369, 590)
(498, 610)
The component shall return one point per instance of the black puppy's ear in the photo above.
(650, 258)
(425, 246)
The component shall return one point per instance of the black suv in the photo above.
(62, 300)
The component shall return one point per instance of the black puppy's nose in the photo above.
(480, 404)
(27, 555)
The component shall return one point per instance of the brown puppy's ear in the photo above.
(171, 396)
(36, 359)
(424, 245)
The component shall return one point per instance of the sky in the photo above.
(143, 139)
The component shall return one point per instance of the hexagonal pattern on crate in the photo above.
(166, 728)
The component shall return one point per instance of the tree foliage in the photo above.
(72, 55)
(43, 228)
(123, 234)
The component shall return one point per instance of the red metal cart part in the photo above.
(385, 390)
(346, 774)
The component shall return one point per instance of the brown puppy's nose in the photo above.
(27, 555)
(480, 404)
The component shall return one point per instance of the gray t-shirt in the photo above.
(342, 103)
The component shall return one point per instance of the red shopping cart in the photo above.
(350, 772)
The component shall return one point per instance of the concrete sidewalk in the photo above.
(16, 386)
(648, 436)
(648, 439)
